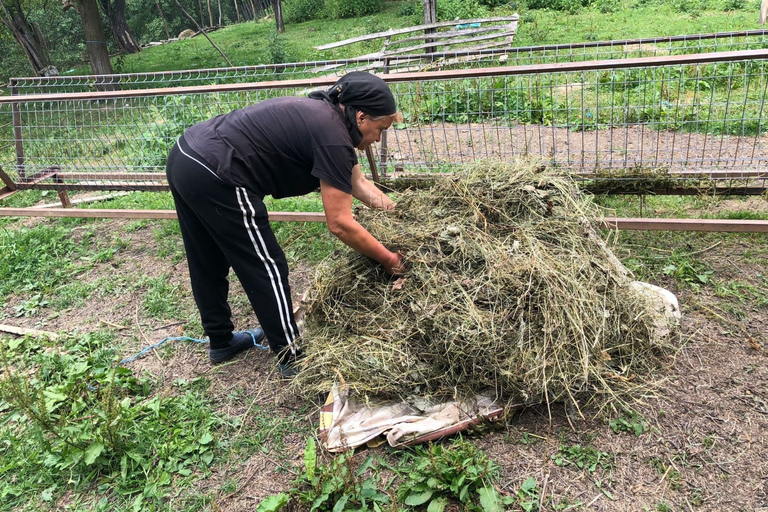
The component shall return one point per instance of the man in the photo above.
(220, 170)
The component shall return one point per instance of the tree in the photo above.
(277, 6)
(115, 11)
(95, 42)
(28, 35)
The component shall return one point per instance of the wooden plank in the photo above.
(23, 331)
(723, 225)
(415, 28)
(455, 33)
(413, 48)
(559, 67)
(84, 200)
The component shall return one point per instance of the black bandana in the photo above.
(361, 91)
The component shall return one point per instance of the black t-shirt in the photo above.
(280, 147)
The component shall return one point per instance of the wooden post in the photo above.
(383, 150)
(763, 12)
(430, 16)
(372, 165)
(17, 133)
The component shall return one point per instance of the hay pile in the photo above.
(509, 290)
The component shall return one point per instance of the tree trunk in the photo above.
(95, 42)
(219, 3)
(115, 11)
(200, 8)
(237, 10)
(277, 6)
(13, 17)
(162, 17)
(210, 12)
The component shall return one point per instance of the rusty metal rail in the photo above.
(672, 123)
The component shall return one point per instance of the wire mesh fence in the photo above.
(460, 59)
(672, 122)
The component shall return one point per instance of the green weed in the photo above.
(630, 422)
(163, 300)
(429, 477)
(435, 474)
(583, 457)
(75, 421)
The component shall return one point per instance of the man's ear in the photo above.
(360, 116)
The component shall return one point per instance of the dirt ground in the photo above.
(706, 448)
(616, 150)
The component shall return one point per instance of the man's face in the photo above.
(371, 128)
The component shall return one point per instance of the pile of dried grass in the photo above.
(509, 289)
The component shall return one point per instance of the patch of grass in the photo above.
(667, 471)
(429, 477)
(754, 293)
(75, 422)
(162, 300)
(37, 259)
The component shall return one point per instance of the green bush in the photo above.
(569, 6)
(353, 8)
(460, 9)
(296, 11)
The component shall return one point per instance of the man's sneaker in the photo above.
(240, 341)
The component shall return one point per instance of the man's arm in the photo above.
(338, 214)
(365, 191)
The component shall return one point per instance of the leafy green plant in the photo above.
(460, 9)
(31, 306)
(583, 457)
(436, 474)
(73, 418)
(353, 8)
(630, 422)
(297, 11)
(336, 486)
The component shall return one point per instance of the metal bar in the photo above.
(6, 192)
(10, 185)
(722, 225)
(96, 213)
(127, 78)
(739, 226)
(137, 187)
(536, 69)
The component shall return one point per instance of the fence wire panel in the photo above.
(461, 59)
(661, 120)
(682, 122)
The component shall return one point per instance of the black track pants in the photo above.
(225, 226)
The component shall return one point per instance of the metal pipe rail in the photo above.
(519, 55)
(641, 224)
(673, 122)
